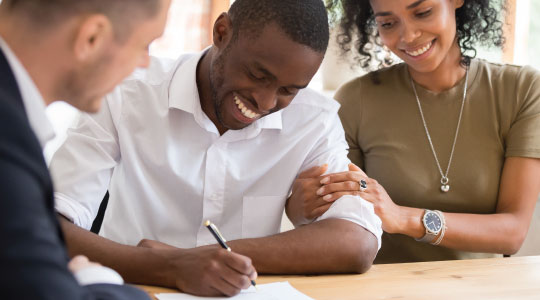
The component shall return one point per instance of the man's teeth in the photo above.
(245, 111)
(420, 51)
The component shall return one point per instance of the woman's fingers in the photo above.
(355, 168)
(343, 176)
(348, 187)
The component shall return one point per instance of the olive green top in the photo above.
(501, 118)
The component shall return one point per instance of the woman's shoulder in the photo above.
(504, 72)
(374, 79)
(512, 85)
(372, 83)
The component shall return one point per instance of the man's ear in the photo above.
(223, 31)
(459, 3)
(93, 33)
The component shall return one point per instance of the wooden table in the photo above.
(496, 278)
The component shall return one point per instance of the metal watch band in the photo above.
(427, 238)
(443, 228)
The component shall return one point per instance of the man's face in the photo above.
(253, 77)
(88, 84)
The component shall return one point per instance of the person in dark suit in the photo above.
(50, 50)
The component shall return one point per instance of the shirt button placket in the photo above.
(214, 187)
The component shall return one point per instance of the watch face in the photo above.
(432, 222)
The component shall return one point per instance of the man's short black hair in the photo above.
(304, 21)
(122, 13)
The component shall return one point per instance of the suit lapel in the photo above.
(8, 84)
(9, 89)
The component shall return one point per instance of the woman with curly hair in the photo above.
(450, 143)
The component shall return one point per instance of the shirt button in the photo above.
(214, 197)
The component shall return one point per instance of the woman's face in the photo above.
(420, 32)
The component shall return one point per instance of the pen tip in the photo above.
(207, 223)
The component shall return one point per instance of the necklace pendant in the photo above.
(444, 184)
(445, 188)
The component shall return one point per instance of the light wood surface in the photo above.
(496, 278)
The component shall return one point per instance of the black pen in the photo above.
(221, 240)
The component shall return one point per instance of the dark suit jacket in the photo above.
(33, 259)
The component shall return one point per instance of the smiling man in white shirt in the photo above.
(220, 135)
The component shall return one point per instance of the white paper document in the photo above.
(270, 291)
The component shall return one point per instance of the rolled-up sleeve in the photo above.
(356, 210)
(332, 149)
(82, 167)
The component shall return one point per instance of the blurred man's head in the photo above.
(78, 50)
(264, 52)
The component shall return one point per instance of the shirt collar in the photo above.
(184, 94)
(33, 101)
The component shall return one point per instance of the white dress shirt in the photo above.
(34, 105)
(168, 170)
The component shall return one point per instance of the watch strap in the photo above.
(427, 238)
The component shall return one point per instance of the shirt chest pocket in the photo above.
(261, 215)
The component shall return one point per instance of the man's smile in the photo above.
(242, 107)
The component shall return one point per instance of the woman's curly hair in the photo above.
(478, 22)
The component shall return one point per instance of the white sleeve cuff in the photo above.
(73, 211)
(97, 275)
(356, 210)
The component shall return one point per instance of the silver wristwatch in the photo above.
(433, 223)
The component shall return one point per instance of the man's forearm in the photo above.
(136, 264)
(327, 246)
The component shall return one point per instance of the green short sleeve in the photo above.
(523, 138)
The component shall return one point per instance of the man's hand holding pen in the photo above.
(207, 270)
(211, 271)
